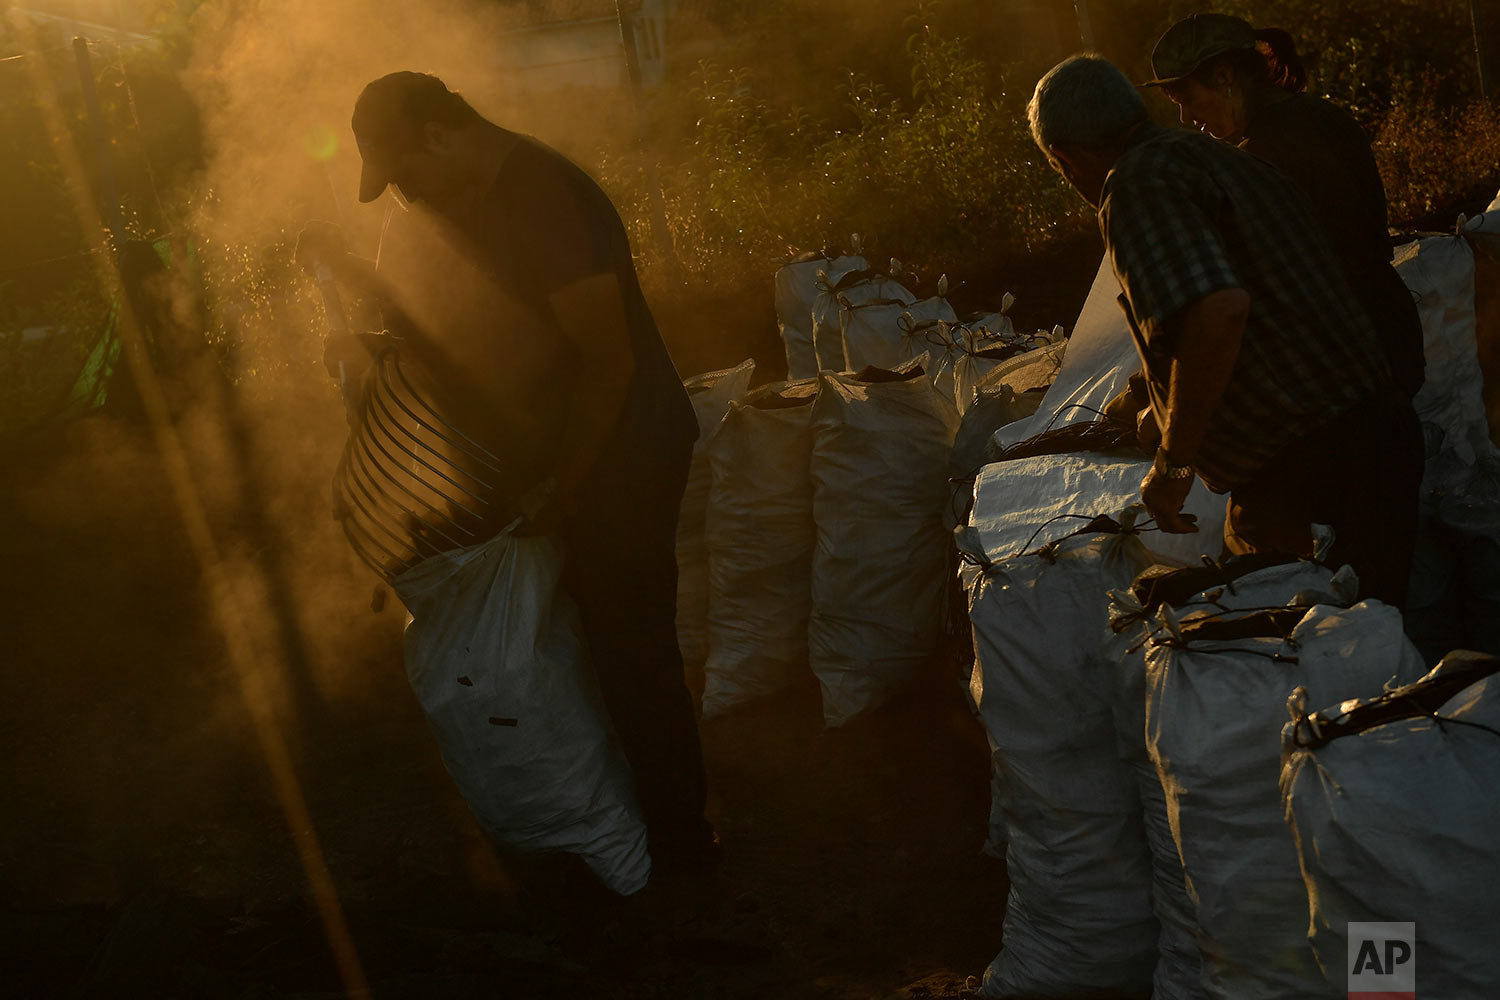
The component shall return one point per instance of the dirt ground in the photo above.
(144, 852)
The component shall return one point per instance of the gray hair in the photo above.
(1083, 101)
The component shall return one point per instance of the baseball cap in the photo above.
(386, 120)
(1187, 44)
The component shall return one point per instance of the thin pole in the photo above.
(108, 195)
(1085, 28)
(658, 211)
(1480, 25)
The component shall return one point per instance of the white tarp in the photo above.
(880, 485)
(854, 289)
(1100, 360)
(1399, 822)
(796, 289)
(1079, 918)
(1214, 712)
(878, 334)
(760, 546)
(711, 394)
(495, 655)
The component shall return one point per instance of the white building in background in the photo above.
(578, 43)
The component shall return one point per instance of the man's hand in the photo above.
(1148, 431)
(320, 243)
(1164, 497)
(1122, 408)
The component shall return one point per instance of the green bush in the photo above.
(939, 177)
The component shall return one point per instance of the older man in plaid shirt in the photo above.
(1266, 377)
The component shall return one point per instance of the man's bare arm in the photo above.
(1206, 337)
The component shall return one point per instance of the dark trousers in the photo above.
(1361, 473)
(622, 573)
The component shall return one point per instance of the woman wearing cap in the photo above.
(1245, 86)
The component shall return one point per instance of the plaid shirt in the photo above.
(1183, 216)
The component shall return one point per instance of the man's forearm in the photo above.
(1207, 342)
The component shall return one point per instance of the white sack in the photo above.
(1100, 360)
(495, 655)
(1035, 368)
(878, 333)
(1179, 968)
(796, 289)
(1022, 504)
(1079, 918)
(1214, 711)
(760, 546)
(1439, 271)
(1400, 822)
(855, 288)
(880, 483)
(711, 394)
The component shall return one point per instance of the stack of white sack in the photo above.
(495, 655)
(883, 333)
(944, 343)
(1078, 921)
(796, 289)
(880, 462)
(1393, 807)
(1179, 969)
(1040, 632)
(761, 537)
(711, 394)
(1455, 586)
(1216, 687)
(850, 290)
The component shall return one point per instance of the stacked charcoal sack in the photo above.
(1455, 588)
(851, 291)
(945, 342)
(711, 395)
(881, 446)
(761, 537)
(1078, 920)
(1395, 817)
(883, 333)
(1051, 532)
(798, 285)
(1216, 652)
(1048, 538)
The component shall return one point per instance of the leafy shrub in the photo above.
(939, 177)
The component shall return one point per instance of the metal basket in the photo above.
(410, 484)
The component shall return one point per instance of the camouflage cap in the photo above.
(1187, 44)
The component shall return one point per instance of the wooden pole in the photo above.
(658, 210)
(1085, 28)
(1483, 24)
(107, 193)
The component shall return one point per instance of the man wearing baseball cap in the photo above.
(549, 241)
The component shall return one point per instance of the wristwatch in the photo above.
(1165, 468)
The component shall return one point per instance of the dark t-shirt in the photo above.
(1326, 153)
(483, 294)
(546, 224)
